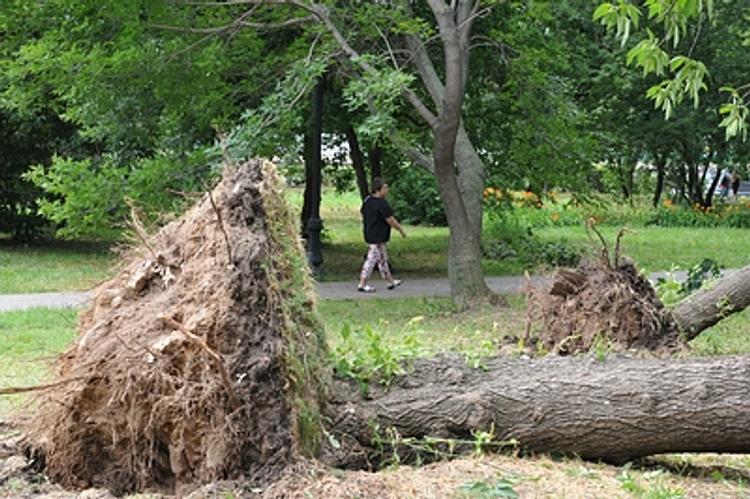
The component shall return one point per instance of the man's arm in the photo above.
(394, 223)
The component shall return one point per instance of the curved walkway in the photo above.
(326, 290)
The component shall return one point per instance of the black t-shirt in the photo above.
(374, 212)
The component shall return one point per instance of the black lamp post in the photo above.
(314, 224)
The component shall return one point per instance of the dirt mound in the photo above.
(193, 363)
(602, 306)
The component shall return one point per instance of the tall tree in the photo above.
(402, 34)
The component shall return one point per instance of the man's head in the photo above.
(379, 187)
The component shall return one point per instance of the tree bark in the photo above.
(460, 193)
(472, 175)
(615, 410)
(711, 304)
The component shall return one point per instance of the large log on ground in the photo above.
(618, 409)
(711, 304)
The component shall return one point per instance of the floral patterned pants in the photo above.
(376, 254)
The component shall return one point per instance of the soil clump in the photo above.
(600, 307)
(200, 361)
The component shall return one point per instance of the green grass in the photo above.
(53, 266)
(730, 336)
(659, 248)
(29, 340)
(435, 322)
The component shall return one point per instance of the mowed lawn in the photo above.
(30, 341)
(659, 248)
(55, 266)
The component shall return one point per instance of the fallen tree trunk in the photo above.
(203, 360)
(615, 410)
(711, 304)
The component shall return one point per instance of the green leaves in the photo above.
(620, 17)
(736, 114)
(688, 74)
(688, 80)
(649, 56)
(378, 91)
(362, 355)
(265, 129)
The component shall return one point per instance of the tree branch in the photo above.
(280, 25)
(426, 69)
(421, 108)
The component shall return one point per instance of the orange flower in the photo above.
(555, 217)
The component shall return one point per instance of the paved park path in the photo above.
(326, 290)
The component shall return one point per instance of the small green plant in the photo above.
(364, 356)
(476, 356)
(725, 306)
(656, 489)
(601, 346)
(482, 439)
(670, 290)
(699, 274)
(502, 487)
(391, 445)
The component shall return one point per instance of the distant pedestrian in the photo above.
(377, 220)
(735, 180)
(724, 185)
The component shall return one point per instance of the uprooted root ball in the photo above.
(201, 360)
(600, 306)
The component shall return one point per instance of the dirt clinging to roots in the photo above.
(602, 306)
(189, 366)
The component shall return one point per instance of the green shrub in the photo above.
(509, 236)
(89, 198)
(670, 291)
(416, 200)
(677, 216)
(736, 215)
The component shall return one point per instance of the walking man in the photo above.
(377, 218)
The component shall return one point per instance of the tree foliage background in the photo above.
(106, 103)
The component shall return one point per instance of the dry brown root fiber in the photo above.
(599, 305)
(201, 360)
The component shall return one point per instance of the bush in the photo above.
(416, 200)
(508, 236)
(735, 215)
(670, 291)
(89, 199)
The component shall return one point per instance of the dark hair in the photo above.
(377, 184)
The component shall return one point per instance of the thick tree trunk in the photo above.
(471, 179)
(465, 252)
(710, 305)
(614, 410)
